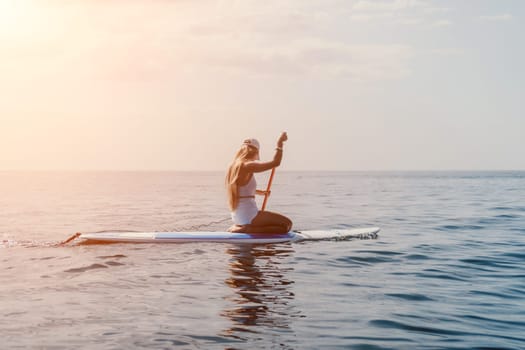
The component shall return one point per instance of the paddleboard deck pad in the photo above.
(228, 237)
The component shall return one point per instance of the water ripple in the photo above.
(87, 268)
(410, 296)
(382, 323)
(460, 227)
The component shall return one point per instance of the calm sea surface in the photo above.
(447, 271)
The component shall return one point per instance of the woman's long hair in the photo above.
(244, 154)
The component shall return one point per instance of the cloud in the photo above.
(437, 9)
(310, 58)
(405, 12)
(448, 51)
(442, 23)
(496, 18)
(365, 17)
(160, 40)
(381, 6)
(410, 21)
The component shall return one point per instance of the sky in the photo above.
(177, 85)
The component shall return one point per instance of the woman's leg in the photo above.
(269, 222)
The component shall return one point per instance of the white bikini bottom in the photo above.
(245, 212)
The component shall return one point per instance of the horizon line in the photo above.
(281, 170)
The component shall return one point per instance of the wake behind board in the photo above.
(228, 237)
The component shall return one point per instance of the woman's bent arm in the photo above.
(257, 167)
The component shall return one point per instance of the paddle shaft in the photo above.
(267, 194)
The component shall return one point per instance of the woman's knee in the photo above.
(285, 221)
(288, 224)
(266, 218)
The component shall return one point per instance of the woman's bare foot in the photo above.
(237, 228)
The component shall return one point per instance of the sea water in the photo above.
(446, 272)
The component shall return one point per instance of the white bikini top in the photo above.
(248, 190)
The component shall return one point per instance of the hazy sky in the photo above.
(177, 85)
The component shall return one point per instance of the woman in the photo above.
(241, 187)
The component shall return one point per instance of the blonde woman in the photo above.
(241, 187)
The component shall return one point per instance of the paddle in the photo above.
(267, 194)
(69, 239)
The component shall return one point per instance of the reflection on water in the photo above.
(262, 294)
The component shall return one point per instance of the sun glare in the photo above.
(15, 14)
(9, 11)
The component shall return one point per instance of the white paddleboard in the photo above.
(228, 237)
